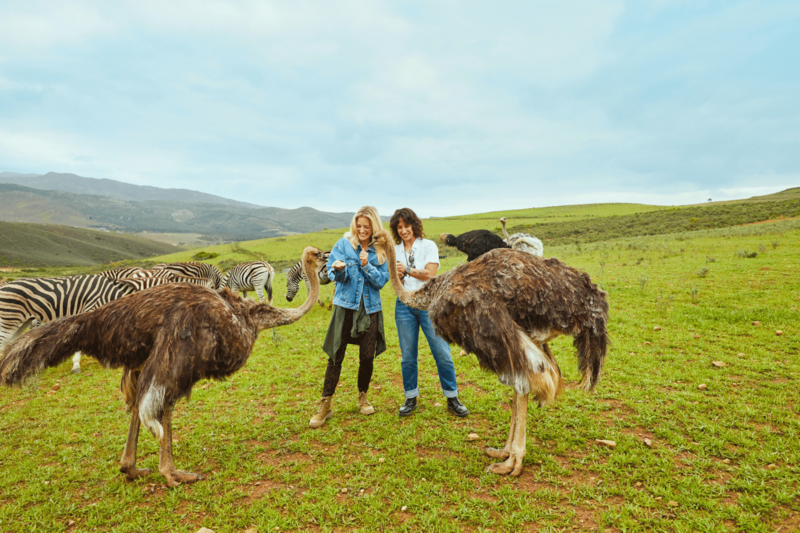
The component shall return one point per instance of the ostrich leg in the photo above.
(166, 465)
(128, 387)
(506, 450)
(129, 455)
(513, 465)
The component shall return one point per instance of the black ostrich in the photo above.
(474, 243)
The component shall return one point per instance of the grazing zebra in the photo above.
(122, 272)
(253, 276)
(27, 302)
(296, 274)
(194, 270)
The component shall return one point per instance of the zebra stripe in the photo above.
(122, 272)
(194, 270)
(253, 276)
(296, 274)
(45, 299)
(131, 273)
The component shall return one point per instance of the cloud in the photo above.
(447, 107)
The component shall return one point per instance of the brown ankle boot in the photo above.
(324, 412)
(363, 404)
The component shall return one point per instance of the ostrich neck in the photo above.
(419, 299)
(282, 317)
(505, 233)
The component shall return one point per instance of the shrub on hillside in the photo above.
(204, 256)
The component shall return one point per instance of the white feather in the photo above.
(150, 408)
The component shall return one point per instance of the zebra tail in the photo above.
(45, 346)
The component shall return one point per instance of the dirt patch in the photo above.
(278, 458)
(436, 453)
(790, 521)
(259, 490)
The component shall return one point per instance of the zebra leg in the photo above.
(259, 294)
(76, 364)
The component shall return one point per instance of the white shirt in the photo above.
(423, 251)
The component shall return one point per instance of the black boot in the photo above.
(456, 407)
(408, 407)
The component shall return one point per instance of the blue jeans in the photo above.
(409, 321)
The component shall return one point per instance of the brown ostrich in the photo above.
(166, 339)
(504, 307)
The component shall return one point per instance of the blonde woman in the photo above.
(360, 273)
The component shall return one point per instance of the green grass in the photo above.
(726, 455)
(49, 245)
(662, 222)
(535, 215)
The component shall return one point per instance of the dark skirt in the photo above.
(361, 323)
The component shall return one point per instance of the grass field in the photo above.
(51, 246)
(723, 458)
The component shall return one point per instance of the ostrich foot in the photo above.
(134, 473)
(177, 477)
(497, 453)
(511, 466)
(76, 369)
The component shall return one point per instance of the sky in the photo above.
(447, 107)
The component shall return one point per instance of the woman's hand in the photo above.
(338, 265)
(364, 256)
(401, 269)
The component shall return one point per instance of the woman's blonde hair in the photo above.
(371, 214)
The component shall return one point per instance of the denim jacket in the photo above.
(354, 282)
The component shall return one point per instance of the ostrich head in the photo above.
(448, 239)
(505, 233)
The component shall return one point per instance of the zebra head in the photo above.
(296, 274)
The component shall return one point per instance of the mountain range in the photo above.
(71, 200)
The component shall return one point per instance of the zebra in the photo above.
(125, 273)
(296, 274)
(194, 270)
(253, 276)
(28, 302)
(122, 272)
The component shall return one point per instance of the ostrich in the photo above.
(166, 339)
(504, 307)
(522, 241)
(474, 243)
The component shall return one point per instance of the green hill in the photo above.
(583, 223)
(662, 222)
(554, 225)
(48, 245)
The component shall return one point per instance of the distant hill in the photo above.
(36, 245)
(53, 181)
(663, 222)
(788, 194)
(218, 222)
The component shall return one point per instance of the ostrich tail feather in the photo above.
(42, 347)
